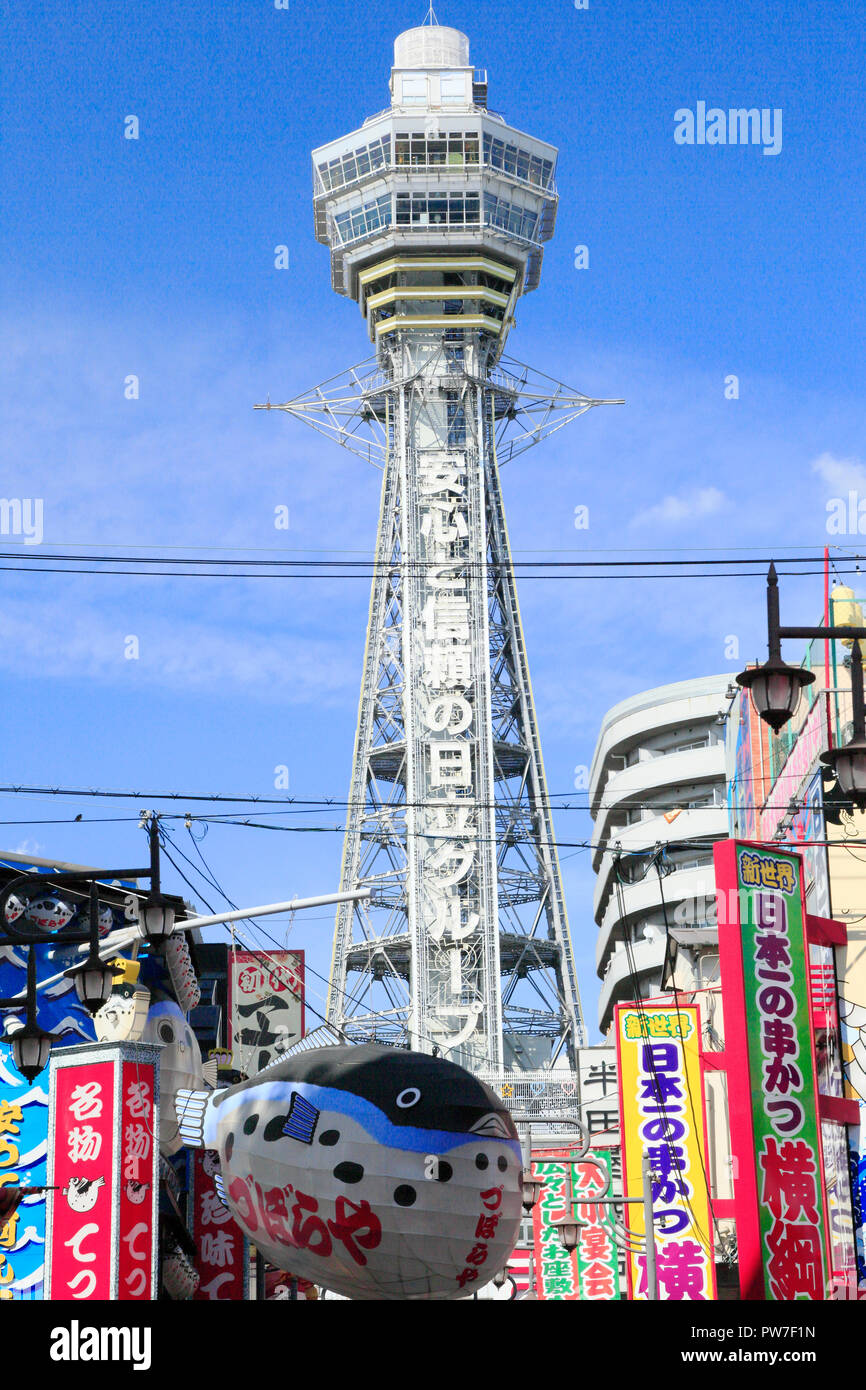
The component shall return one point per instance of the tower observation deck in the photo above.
(436, 213)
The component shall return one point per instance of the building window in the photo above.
(414, 91)
(453, 89)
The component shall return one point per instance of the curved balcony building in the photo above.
(657, 779)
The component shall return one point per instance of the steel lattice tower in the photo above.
(435, 212)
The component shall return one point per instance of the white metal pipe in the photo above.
(296, 905)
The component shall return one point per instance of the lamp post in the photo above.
(93, 978)
(568, 1227)
(775, 689)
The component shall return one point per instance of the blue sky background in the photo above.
(156, 257)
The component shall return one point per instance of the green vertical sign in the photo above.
(597, 1254)
(789, 1173)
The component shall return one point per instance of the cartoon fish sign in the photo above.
(377, 1173)
(180, 1066)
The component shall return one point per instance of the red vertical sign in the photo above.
(221, 1260)
(103, 1152)
(82, 1131)
(138, 1177)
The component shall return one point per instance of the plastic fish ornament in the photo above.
(378, 1173)
(123, 1017)
(14, 908)
(50, 914)
(180, 1066)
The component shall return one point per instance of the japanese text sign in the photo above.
(266, 1006)
(221, 1259)
(590, 1272)
(23, 1156)
(662, 1117)
(775, 1133)
(103, 1150)
(555, 1268)
(597, 1257)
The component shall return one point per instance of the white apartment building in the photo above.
(658, 800)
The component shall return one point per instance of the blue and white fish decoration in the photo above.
(374, 1172)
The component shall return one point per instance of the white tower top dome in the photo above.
(431, 46)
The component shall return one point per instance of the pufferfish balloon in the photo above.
(180, 1066)
(378, 1173)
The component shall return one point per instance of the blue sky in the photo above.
(155, 257)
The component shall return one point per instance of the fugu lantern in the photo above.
(378, 1173)
(180, 1066)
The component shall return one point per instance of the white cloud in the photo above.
(286, 665)
(844, 475)
(705, 501)
(29, 847)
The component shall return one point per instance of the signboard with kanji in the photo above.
(103, 1152)
(221, 1259)
(662, 1116)
(590, 1272)
(775, 1132)
(599, 1094)
(266, 1006)
(23, 1151)
(555, 1267)
(597, 1255)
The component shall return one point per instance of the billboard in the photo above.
(103, 1151)
(266, 1006)
(772, 1084)
(222, 1251)
(662, 1117)
(597, 1253)
(24, 1110)
(556, 1276)
(591, 1272)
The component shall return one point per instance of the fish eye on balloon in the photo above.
(408, 1098)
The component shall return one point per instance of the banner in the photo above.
(556, 1276)
(266, 1006)
(23, 1156)
(775, 1134)
(662, 1116)
(103, 1150)
(597, 1254)
(591, 1272)
(221, 1260)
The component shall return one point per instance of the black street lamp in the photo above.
(30, 1044)
(93, 978)
(531, 1191)
(157, 913)
(775, 689)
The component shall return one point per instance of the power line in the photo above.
(367, 562)
(552, 803)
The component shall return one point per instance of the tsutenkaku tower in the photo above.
(435, 212)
